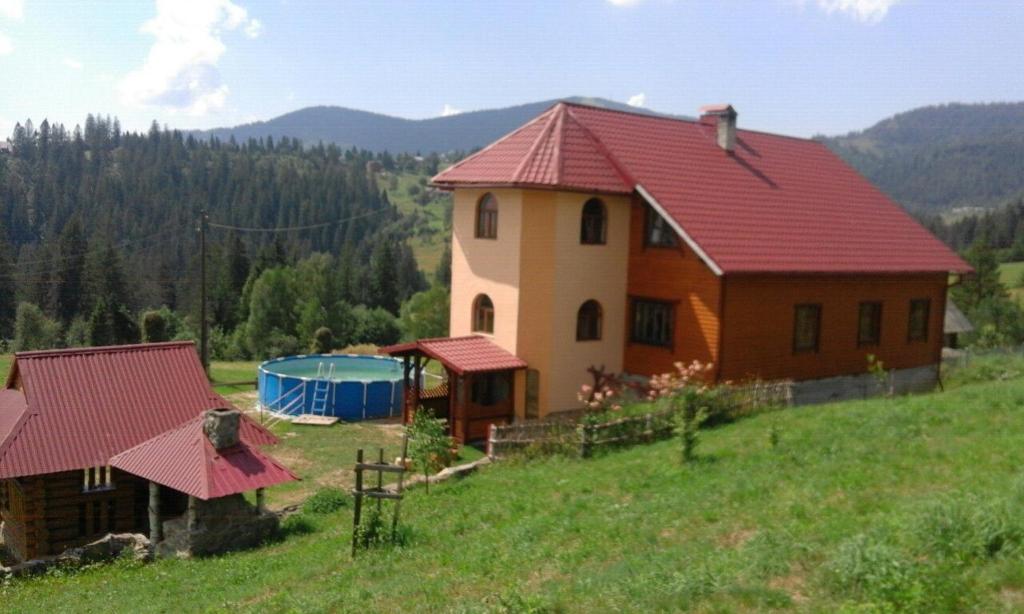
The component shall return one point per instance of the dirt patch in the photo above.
(1012, 598)
(794, 583)
(735, 539)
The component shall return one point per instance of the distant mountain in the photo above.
(376, 132)
(941, 157)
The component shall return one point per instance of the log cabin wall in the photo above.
(50, 513)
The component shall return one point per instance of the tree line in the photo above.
(99, 241)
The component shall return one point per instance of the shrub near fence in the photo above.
(588, 433)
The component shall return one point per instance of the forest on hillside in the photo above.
(99, 240)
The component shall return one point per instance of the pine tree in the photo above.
(71, 287)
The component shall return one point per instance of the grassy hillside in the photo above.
(1010, 274)
(910, 503)
(431, 234)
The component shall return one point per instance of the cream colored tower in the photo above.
(538, 274)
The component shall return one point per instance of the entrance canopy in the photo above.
(461, 355)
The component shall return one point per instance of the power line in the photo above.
(294, 228)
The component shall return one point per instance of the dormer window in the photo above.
(487, 217)
(594, 223)
(657, 232)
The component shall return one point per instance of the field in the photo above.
(429, 240)
(1010, 275)
(891, 504)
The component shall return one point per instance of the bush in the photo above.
(429, 443)
(373, 531)
(154, 327)
(33, 330)
(323, 341)
(326, 500)
(875, 571)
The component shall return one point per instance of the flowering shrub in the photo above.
(604, 395)
(683, 379)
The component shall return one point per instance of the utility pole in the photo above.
(204, 334)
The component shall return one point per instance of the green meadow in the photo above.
(906, 504)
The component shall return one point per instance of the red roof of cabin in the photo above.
(77, 408)
(471, 354)
(774, 204)
(184, 459)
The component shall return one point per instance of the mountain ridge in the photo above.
(378, 132)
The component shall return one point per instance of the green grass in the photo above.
(429, 240)
(1010, 274)
(906, 504)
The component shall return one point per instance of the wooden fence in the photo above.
(577, 436)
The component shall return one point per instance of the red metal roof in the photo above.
(184, 459)
(80, 407)
(774, 204)
(471, 354)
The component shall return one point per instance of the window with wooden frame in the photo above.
(869, 323)
(657, 231)
(917, 324)
(95, 479)
(806, 327)
(483, 314)
(588, 321)
(487, 217)
(594, 223)
(490, 388)
(652, 322)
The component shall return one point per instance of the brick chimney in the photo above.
(724, 116)
(221, 427)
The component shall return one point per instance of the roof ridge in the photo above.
(527, 160)
(104, 349)
(625, 175)
(492, 145)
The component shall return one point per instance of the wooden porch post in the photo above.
(419, 378)
(190, 514)
(261, 500)
(155, 530)
(406, 390)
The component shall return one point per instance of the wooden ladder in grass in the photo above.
(378, 492)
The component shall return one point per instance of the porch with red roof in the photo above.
(479, 389)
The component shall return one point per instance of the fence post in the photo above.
(584, 433)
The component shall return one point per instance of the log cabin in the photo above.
(77, 432)
(596, 237)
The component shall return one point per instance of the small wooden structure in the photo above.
(479, 386)
(66, 415)
(378, 492)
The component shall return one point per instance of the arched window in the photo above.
(487, 217)
(588, 321)
(483, 314)
(594, 223)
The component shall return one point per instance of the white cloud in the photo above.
(12, 9)
(864, 11)
(6, 46)
(180, 71)
(72, 63)
(638, 100)
(449, 110)
(624, 3)
(254, 28)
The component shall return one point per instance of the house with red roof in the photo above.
(125, 439)
(595, 237)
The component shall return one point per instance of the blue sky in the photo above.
(792, 66)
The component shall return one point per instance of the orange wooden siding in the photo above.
(757, 339)
(675, 275)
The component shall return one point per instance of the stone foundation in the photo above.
(864, 385)
(215, 526)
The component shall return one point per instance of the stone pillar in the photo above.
(154, 513)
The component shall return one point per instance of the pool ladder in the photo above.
(321, 389)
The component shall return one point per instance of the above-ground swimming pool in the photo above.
(348, 387)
